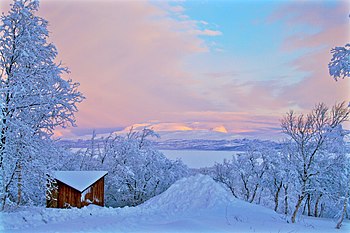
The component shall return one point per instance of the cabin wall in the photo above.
(94, 194)
(68, 196)
(64, 196)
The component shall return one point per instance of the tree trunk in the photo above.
(340, 221)
(254, 193)
(304, 209)
(285, 199)
(297, 206)
(19, 184)
(6, 189)
(5, 113)
(322, 209)
(309, 205)
(277, 195)
(259, 199)
(316, 205)
(4, 195)
(247, 192)
(4, 202)
(232, 191)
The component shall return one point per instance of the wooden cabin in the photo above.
(76, 189)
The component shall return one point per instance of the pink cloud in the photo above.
(275, 97)
(333, 24)
(318, 86)
(207, 32)
(128, 57)
(177, 9)
(226, 122)
(336, 35)
(313, 13)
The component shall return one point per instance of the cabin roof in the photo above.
(79, 180)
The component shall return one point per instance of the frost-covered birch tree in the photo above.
(34, 98)
(310, 134)
(245, 174)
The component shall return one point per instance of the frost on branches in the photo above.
(307, 174)
(34, 99)
(136, 170)
(339, 66)
(317, 140)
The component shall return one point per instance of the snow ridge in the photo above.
(192, 193)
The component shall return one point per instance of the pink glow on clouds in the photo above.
(333, 26)
(318, 86)
(129, 64)
(307, 12)
(130, 58)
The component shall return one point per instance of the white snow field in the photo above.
(193, 204)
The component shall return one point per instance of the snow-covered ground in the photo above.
(194, 204)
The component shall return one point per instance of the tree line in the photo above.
(308, 175)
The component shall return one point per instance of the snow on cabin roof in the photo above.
(79, 180)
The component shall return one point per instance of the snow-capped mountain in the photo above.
(194, 136)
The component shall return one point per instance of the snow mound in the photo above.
(191, 193)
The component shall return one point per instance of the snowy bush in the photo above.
(136, 171)
(251, 175)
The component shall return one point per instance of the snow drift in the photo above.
(193, 193)
(193, 204)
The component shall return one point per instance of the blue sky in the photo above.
(249, 34)
(193, 65)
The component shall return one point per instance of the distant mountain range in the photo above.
(185, 144)
(180, 140)
(183, 137)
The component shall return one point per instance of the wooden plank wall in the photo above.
(95, 194)
(68, 195)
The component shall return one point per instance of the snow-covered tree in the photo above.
(226, 173)
(277, 178)
(136, 170)
(245, 174)
(310, 134)
(34, 98)
(307, 170)
(344, 182)
(253, 165)
(339, 66)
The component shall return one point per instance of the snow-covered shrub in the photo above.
(136, 170)
(245, 174)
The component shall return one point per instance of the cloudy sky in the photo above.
(228, 65)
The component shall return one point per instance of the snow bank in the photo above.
(191, 193)
(29, 217)
(195, 204)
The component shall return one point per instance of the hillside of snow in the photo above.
(193, 204)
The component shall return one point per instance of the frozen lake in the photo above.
(199, 158)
